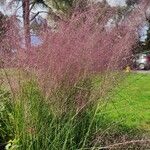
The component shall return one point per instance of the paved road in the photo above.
(142, 71)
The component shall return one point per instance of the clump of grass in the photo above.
(60, 122)
(41, 124)
(55, 102)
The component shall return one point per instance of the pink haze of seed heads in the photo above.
(81, 44)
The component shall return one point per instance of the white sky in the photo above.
(113, 2)
(10, 10)
(117, 2)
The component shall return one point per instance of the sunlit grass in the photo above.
(130, 103)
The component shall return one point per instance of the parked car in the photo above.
(142, 61)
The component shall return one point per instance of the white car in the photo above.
(142, 61)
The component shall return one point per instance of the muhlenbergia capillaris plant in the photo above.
(55, 97)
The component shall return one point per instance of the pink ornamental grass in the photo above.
(82, 44)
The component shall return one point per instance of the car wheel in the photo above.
(141, 67)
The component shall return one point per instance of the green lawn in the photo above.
(130, 105)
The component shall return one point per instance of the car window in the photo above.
(142, 56)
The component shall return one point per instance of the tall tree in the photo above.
(27, 6)
(26, 21)
(2, 28)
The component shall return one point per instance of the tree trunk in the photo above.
(26, 21)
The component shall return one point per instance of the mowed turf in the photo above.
(130, 104)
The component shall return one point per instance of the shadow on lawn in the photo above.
(113, 135)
